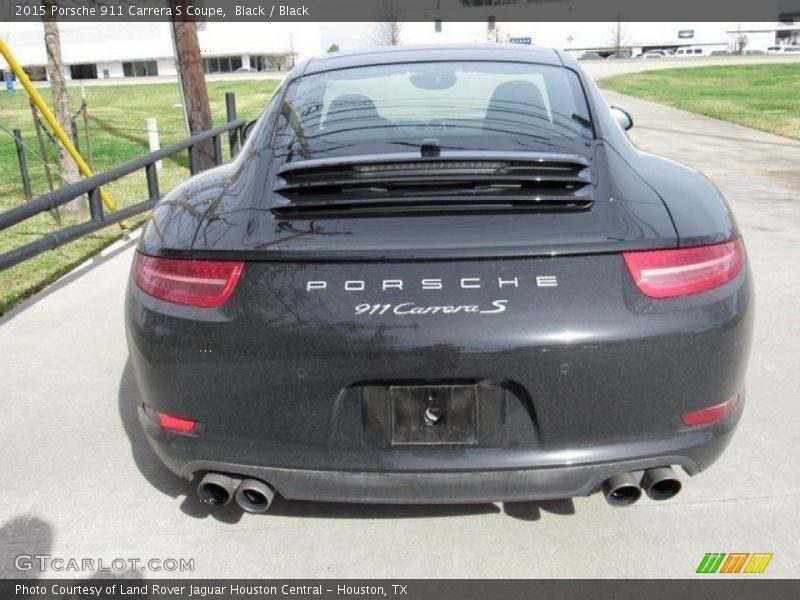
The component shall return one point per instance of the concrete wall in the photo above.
(166, 66)
(114, 70)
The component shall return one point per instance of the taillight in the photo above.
(669, 273)
(171, 422)
(206, 283)
(712, 414)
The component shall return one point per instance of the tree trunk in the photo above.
(195, 91)
(58, 87)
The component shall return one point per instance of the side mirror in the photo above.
(623, 117)
(248, 129)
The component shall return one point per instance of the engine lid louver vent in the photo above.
(487, 182)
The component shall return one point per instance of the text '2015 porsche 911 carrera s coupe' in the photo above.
(440, 274)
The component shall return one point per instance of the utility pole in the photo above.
(180, 80)
(193, 80)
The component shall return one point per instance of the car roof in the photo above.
(430, 53)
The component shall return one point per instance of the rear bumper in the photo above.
(578, 382)
(566, 474)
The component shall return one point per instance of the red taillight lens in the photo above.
(704, 416)
(171, 422)
(669, 273)
(206, 283)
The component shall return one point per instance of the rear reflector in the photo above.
(669, 273)
(712, 414)
(170, 422)
(206, 283)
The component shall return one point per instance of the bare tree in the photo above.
(388, 31)
(291, 55)
(496, 35)
(619, 39)
(58, 88)
(741, 43)
(195, 91)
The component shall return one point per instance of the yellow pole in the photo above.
(51, 119)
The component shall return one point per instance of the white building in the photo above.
(575, 37)
(109, 50)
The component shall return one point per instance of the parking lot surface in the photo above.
(79, 480)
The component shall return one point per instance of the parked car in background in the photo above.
(690, 51)
(620, 54)
(783, 49)
(245, 70)
(655, 54)
(754, 53)
(590, 56)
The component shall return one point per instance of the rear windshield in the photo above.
(463, 105)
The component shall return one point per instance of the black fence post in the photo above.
(96, 205)
(23, 165)
(84, 110)
(217, 150)
(233, 135)
(192, 162)
(152, 181)
(75, 138)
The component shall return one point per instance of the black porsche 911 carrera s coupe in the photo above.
(440, 274)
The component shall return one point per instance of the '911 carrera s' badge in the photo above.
(411, 308)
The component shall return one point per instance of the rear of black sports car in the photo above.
(440, 275)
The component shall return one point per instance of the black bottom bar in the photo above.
(405, 589)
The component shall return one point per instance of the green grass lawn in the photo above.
(117, 117)
(765, 97)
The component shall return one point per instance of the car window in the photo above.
(472, 105)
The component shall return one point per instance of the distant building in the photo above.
(603, 37)
(114, 50)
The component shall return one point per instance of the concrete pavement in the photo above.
(79, 480)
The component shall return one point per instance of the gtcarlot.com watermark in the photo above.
(48, 562)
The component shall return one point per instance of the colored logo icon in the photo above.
(734, 562)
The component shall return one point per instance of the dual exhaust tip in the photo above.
(255, 496)
(624, 489)
(251, 495)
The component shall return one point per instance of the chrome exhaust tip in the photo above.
(254, 496)
(661, 483)
(216, 489)
(621, 490)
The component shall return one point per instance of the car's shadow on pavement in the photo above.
(167, 483)
(26, 544)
